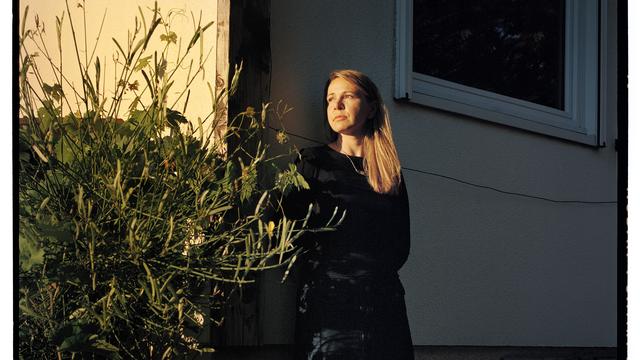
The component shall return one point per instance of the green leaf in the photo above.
(152, 28)
(64, 151)
(170, 37)
(92, 92)
(46, 115)
(104, 345)
(135, 50)
(74, 336)
(82, 337)
(142, 63)
(40, 153)
(301, 182)
(161, 68)
(230, 171)
(31, 253)
(119, 47)
(60, 233)
(174, 118)
(24, 20)
(97, 71)
(249, 182)
(291, 178)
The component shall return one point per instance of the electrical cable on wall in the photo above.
(466, 182)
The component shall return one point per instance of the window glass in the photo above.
(510, 47)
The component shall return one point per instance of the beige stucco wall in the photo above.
(485, 268)
(119, 21)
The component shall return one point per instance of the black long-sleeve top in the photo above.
(372, 241)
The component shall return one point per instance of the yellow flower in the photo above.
(270, 227)
(281, 137)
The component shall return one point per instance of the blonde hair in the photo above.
(381, 162)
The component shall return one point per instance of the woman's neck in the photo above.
(348, 145)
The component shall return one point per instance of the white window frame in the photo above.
(579, 122)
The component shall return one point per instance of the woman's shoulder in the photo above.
(313, 153)
(310, 159)
(314, 150)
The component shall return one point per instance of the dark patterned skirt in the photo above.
(352, 319)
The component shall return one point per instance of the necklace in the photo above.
(361, 172)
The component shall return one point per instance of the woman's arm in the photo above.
(404, 226)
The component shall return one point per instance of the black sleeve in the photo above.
(404, 229)
(296, 203)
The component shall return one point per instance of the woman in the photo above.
(350, 300)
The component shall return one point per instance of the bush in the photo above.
(124, 223)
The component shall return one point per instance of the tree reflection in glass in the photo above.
(510, 47)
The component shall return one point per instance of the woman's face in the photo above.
(347, 107)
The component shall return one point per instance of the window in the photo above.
(528, 64)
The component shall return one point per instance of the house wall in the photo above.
(485, 268)
(119, 21)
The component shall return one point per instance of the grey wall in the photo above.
(485, 268)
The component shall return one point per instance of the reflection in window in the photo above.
(510, 47)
